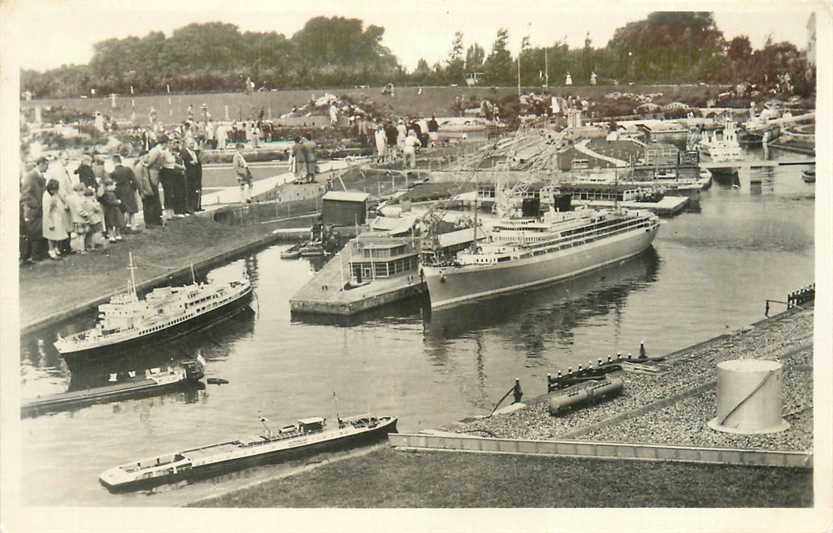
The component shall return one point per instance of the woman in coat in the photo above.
(126, 187)
(54, 218)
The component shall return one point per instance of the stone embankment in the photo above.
(675, 406)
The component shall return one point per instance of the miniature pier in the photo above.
(369, 272)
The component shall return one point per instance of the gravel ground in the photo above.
(786, 337)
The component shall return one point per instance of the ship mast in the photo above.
(131, 288)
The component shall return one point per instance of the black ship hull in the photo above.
(277, 456)
(200, 322)
(78, 399)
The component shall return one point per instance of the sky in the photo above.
(56, 32)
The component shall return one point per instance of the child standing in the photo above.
(79, 217)
(94, 237)
(54, 218)
(113, 218)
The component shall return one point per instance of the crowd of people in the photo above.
(401, 138)
(64, 211)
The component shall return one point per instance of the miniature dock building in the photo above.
(383, 257)
(344, 208)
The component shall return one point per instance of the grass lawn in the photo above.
(438, 100)
(390, 479)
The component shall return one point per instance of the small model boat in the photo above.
(154, 380)
(293, 252)
(312, 249)
(308, 436)
(809, 176)
(164, 311)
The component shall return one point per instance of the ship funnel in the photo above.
(749, 397)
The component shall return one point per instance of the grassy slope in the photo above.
(390, 478)
(53, 286)
(406, 102)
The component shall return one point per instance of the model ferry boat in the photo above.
(164, 311)
(725, 149)
(526, 252)
(308, 436)
(153, 381)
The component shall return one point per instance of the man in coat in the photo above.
(299, 159)
(31, 200)
(193, 177)
(311, 159)
(244, 175)
(149, 189)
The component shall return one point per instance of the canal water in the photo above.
(708, 272)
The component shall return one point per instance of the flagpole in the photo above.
(519, 71)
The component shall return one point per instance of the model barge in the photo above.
(154, 381)
(308, 436)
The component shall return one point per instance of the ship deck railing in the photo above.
(560, 244)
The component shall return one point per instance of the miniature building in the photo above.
(384, 257)
(661, 154)
(344, 208)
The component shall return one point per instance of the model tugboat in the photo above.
(164, 311)
(153, 381)
(308, 436)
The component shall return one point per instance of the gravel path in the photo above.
(787, 338)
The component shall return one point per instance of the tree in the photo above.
(455, 63)
(586, 58)
(740, 50)
(422, 73)
(475, 55)
(667, 45)
(498, 66)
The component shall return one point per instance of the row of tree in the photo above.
(340, 52)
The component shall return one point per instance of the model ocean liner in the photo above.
(163, 312)
(308, 436)
(524, 252)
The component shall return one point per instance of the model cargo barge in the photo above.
(155, 380)
(308, 436)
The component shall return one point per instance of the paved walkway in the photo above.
(216, 197)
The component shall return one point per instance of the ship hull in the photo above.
(452, 286)
(174, 331)
(78, 399)
(275, 456)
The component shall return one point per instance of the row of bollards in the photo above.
(795, 298)
(801, 296)
(591, 371)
